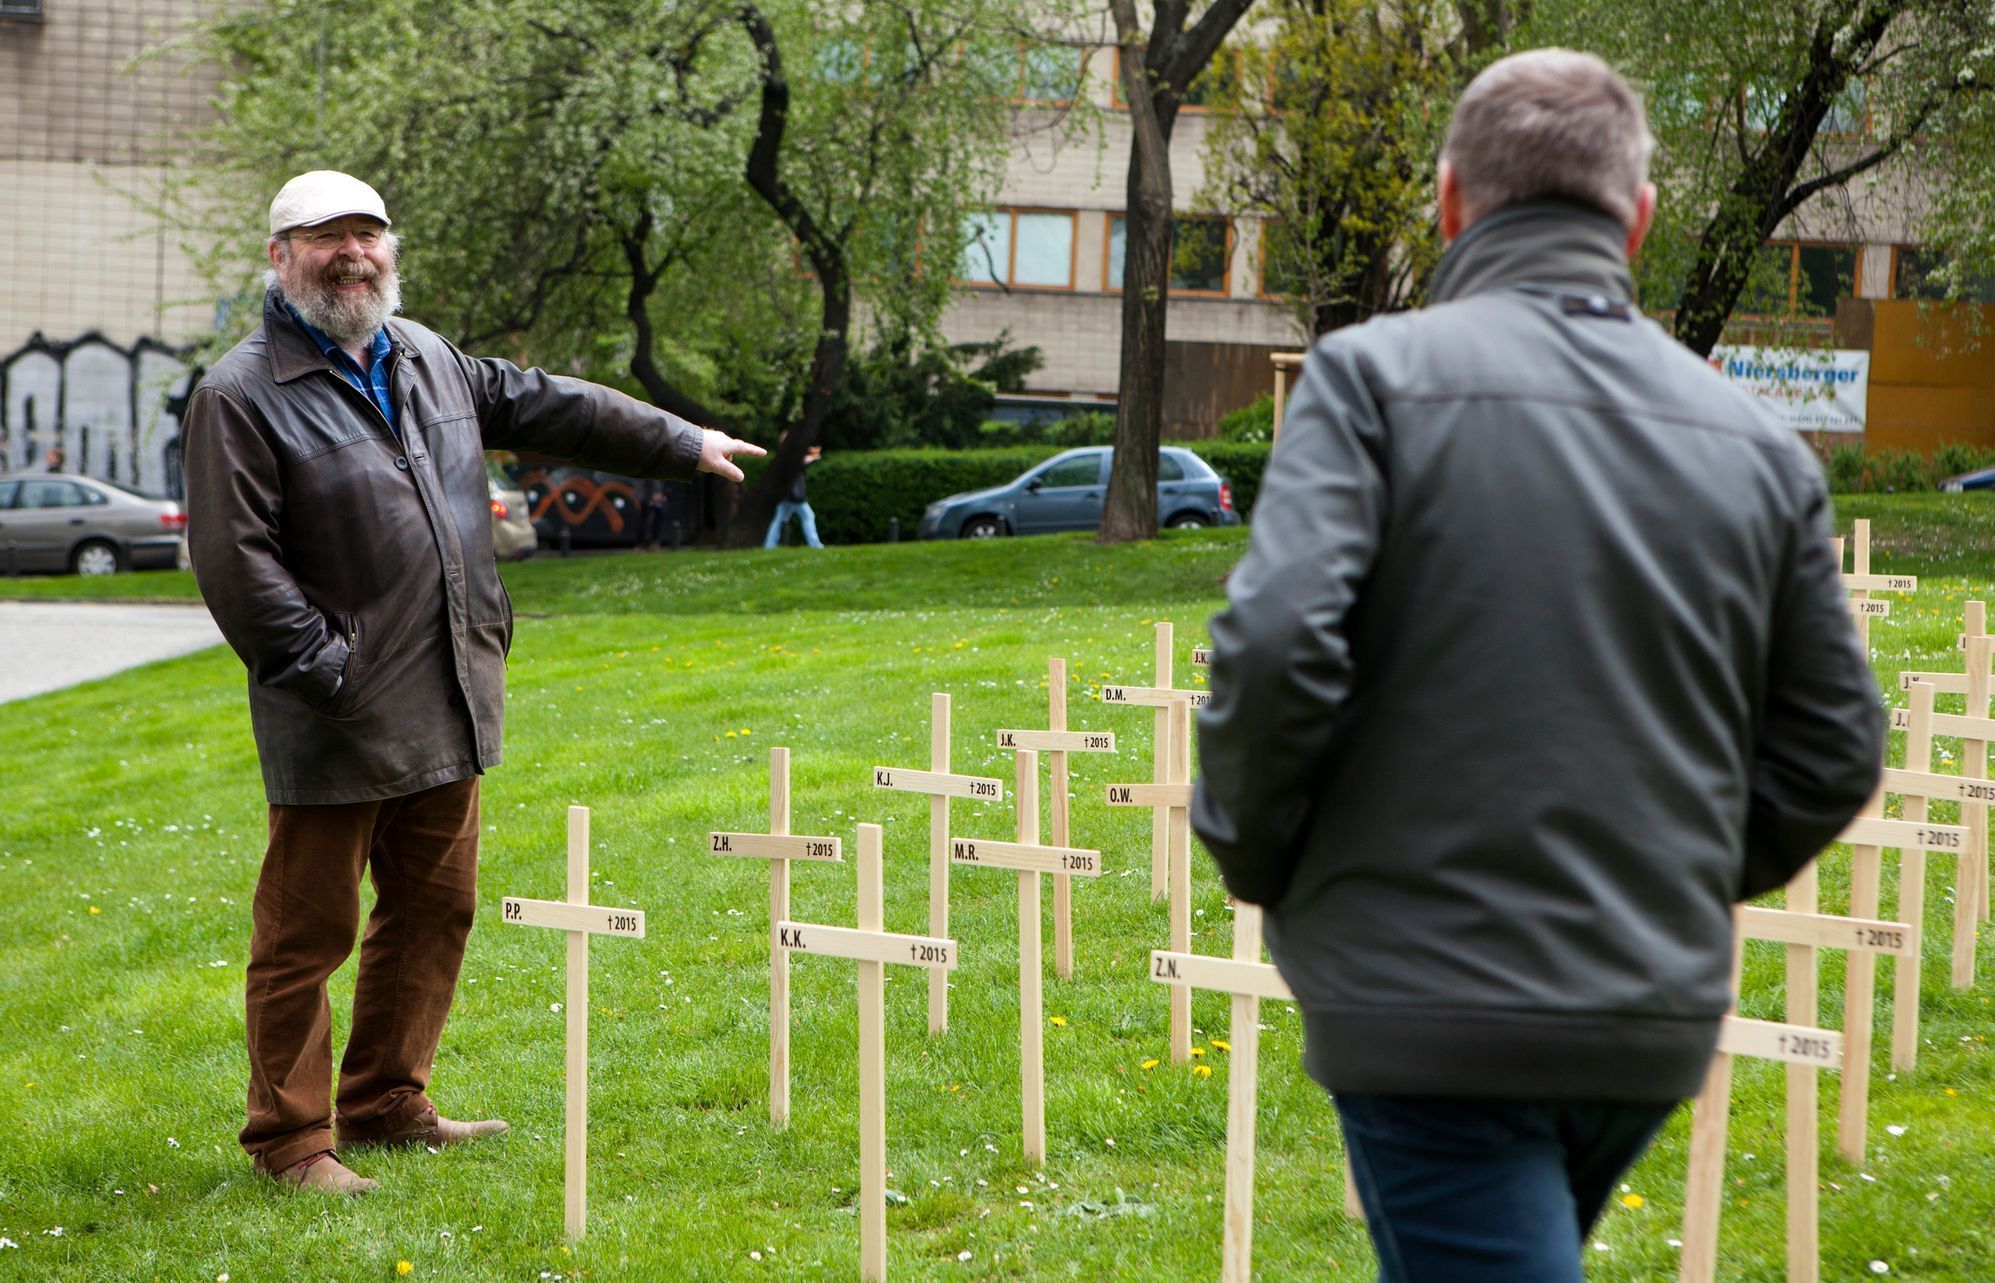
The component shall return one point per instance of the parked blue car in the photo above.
(1066, 493)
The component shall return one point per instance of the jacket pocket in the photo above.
(349, 674)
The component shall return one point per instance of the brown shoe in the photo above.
(431, 1129)
(326, 1174)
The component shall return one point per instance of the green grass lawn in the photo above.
(651, 689)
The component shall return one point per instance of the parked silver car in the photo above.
(513, 537)
(55, 521)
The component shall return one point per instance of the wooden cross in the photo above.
(1057, 741)
(1867, 835)
(1804, 1047)
(1172, 800)
(1030, 860)
(872, 948)
(1861, 583)
(778, 846)
(1918, 784)
(580, 920)
(1974, 624)
(940, 786)
(1160, 697)
(1249, 980)
(1975, 730)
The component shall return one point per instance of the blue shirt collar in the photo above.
(379, 348)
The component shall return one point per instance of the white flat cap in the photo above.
(320, 197)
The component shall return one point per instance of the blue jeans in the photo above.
(1488, 1191)
(784, 511)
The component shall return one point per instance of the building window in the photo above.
(1846, 115)
(1927, 274)
(1051, 73)
(1029, 248)
(1280, 269)
(1796, 280)
(20, 9)
(1201, 251)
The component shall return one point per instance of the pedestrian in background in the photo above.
(795, 505)
(1537, 662)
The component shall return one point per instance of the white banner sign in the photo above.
(1817, 391)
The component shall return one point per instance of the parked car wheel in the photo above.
(983, 528)
(94, 557)
(1188, 521)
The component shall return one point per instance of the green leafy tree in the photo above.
(1765, 108)
(902, 393)
(696, 201)
(1329, 135)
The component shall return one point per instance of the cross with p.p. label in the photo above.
(563, 916)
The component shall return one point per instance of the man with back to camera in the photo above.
(1537, 662)
(339, 529)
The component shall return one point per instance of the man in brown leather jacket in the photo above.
(339, 530)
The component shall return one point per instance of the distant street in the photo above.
(45, 647)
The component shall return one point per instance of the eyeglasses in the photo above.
(331, 237)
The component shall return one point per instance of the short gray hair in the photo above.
(1549, 124)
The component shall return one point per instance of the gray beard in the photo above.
(346, 318)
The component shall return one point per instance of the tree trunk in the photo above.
(1130, 510)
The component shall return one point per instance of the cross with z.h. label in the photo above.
(778, 846)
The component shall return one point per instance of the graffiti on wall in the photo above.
(111, 412)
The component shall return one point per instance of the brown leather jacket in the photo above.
(353, 572)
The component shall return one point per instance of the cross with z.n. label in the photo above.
(580, 920)
(940, 785)
(778, 846)
(1249, 980)
(871, 947)
(1030, 860)
(1056, 742)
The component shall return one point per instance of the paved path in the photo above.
(47, 646)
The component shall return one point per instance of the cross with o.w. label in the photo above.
(940, 784)
(872, 948)
(580, 920)
(778, 846)
(1030, 860)
(1170, 799)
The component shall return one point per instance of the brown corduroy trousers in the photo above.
(422, 853)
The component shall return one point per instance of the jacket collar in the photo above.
(293, 352)
(1551, 243)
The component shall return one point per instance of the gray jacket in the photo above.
(352, 571)
(1537, 662)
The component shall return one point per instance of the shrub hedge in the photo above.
(1851, 471)
(855, 493)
